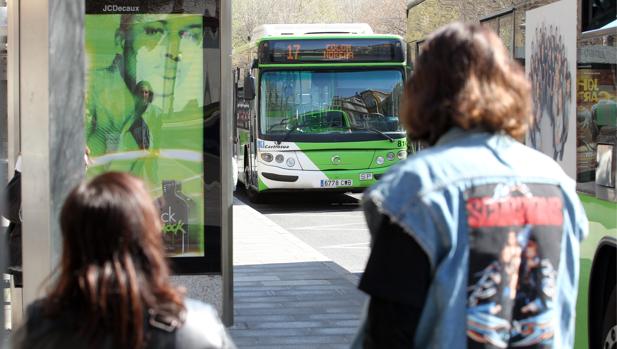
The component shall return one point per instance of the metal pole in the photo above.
(2, 251)
(226, 168)
(3, 254)
(12, 84)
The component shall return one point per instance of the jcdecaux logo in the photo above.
(117, 8)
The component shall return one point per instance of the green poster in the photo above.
(145, 113)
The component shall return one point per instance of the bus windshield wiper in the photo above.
(280, 123)
(372, 129)
(292, 130)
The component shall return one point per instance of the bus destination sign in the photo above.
(330, 50)
(338, 52)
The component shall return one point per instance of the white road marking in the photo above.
(318, 214)
(313, 227)
(355, 246)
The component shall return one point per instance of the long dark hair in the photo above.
(113, 268)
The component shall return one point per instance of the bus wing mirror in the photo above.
(255, 64)
(249, 88)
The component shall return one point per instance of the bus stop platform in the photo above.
(287, 294)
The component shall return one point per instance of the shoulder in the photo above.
(35, 313)
(42, 331)
(405, 181)
(530, 162)
(197, 309)
(202, 328)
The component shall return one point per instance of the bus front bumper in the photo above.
(274, 178)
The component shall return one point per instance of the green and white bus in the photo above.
(318, 108)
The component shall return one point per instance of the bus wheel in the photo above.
(609, 327)
(254, 195)
(247, 183)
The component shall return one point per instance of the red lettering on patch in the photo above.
(514, 211)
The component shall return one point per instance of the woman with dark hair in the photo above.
(451, 224)
(113, 288)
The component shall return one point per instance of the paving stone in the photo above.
(245, 305)
(296, 282)
(247, 294)
(261, 317)
(282, 332)
(334, 303)
(242, 278)
(335, 330)
(239, 325)
(259, 288)
(303, 340)
(347, 323)
(278, 311)
(274, 298)
(350, 316)
(347, 309)
(288, 324)
(297, 346)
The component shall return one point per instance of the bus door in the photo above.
(236, 112)
(251, 157)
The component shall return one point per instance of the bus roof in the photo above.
(277, 30)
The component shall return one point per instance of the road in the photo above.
(333, 224)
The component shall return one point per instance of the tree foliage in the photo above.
(384, 16)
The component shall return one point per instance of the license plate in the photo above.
(335, 183)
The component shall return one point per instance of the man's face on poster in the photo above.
(164, 51)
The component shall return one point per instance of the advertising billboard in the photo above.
(152, 109)
(550, 49)
(596, 114)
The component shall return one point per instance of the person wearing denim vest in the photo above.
(475, 240)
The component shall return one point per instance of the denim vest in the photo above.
(501, 225)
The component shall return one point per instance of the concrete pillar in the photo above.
(51, 107)
(227, 152)
(12, 85)
(2, 250)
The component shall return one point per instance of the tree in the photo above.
(385, 16)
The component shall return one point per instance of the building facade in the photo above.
(507, 18)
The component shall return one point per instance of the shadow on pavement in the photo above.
(280, 202)
(295, 305)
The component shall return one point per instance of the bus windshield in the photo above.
(301, 102)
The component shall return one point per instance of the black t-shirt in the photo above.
(12, 211)
(397, 277)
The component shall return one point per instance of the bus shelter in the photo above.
(146, 87)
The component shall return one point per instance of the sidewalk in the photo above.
(286, 294)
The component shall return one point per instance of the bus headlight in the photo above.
(390, 156)
(267, 157)
(379, 160)
(402, 155)
(279, 158)
(290, 162)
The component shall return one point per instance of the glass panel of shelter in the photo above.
(596, 116)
